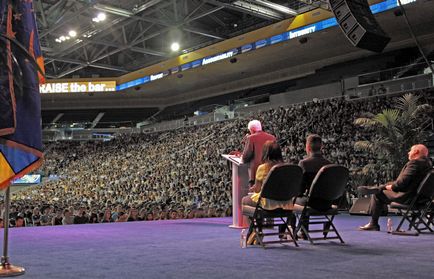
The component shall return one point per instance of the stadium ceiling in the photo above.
(136, 34)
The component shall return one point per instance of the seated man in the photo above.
(311, 165)
(403, 189)
(313, 162)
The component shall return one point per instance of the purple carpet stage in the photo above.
(207, 248)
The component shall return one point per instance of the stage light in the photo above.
(72, 33)
(175, 46)
(62, 38)
(101, 16)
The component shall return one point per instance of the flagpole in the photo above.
(6, 269)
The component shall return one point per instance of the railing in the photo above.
(391, 74)
(399, 85)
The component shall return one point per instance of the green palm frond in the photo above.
(396, 130)
(387, 118)
(422, 109)
(365, 122)
(407, 103)
(364, 146)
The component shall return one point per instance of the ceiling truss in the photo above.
(138, 33)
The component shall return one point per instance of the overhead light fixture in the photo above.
(175, 46)
(277, 7)
(72, 33)
(101, 16)
(62, 38)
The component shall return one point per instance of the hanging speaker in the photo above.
(359, 25)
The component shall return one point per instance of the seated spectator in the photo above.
(19, 221)
(133, 215)
(149, 216)
(57, 219)
(46, 218)
(271, 156)
(122, 217)
(93, 218)
(36, 217)
(403, 189)
(67, 218)
(311, 165)
(107, 218)
(81, 217)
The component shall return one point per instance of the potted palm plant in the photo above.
(395, 130)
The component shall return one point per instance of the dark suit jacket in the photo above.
(252, 153)
(311, 165)
(411, 175)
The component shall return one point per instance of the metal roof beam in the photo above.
(276, 7)
(248, 8)
(83, 63)
(64, 21)
(199, 31)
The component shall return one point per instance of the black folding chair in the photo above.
(328, 185)
(419, 212)
(283, 183)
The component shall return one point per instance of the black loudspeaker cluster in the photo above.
(359, 25)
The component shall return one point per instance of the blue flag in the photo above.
(20, 105)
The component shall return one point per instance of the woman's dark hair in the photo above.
(271, 152)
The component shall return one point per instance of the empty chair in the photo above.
(283, 183)
(419, 212)
(327, 186)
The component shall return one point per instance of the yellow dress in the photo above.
(261, 174)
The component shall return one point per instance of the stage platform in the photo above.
(207, 248)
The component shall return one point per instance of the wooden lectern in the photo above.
(240, 188)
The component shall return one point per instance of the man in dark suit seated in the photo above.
(403, 189)
(313, 162)
(311, 165)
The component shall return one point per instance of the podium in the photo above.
(240, 188)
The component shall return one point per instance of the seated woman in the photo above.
(271, 156)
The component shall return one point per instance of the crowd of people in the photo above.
(179, 173)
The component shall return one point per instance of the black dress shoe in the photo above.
(368, 190)
(369, 227)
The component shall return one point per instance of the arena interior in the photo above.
(133, 183)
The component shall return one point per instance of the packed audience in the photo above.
(180, 173)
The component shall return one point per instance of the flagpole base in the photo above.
(8, 270)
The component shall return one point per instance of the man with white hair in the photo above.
(403, 189)
(252, 153)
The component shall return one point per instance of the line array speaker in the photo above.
(359, 25)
